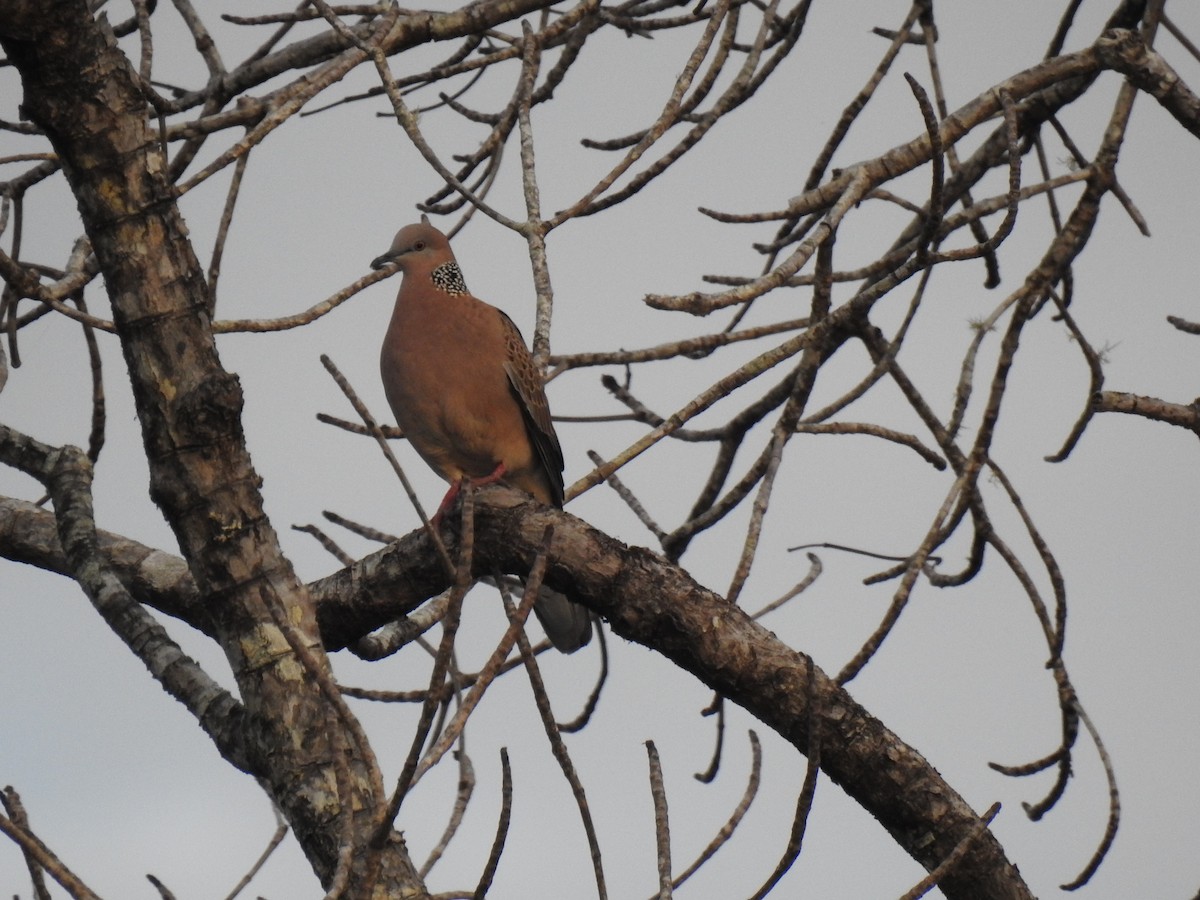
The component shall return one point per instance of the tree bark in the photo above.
(81, 91)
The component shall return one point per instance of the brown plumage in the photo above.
(463, 387)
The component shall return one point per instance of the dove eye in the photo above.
(419, 245)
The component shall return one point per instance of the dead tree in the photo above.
(131, 147)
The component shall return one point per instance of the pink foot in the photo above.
(496, 475)
(452, 494)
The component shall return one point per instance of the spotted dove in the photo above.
(464, 389)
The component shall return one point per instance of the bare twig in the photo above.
(557, 746)
(462, 797)
(662, 828)
(414, 764)
(807, 791)
(39, 855)
(1114, 806)
(11, 802)
(281, 830)
(489, 870)
(726, 831)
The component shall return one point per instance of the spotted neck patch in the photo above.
(448, 277)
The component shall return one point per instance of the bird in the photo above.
(467, 394)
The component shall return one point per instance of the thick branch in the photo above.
(1126, 52)
(646, 599)
(349, 604)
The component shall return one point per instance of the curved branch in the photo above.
(646, 599)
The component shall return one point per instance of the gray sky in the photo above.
(118, 779)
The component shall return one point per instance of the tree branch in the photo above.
(648, 600)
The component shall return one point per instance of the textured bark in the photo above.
(80, 89)
(349, 604)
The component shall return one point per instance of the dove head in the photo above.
(416, 246)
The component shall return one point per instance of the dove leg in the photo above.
(452, 494)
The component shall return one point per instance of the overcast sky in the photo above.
(119, 781)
